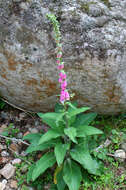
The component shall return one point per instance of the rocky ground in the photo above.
(15, 124)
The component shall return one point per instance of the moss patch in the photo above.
(106, 2)
(85, 6)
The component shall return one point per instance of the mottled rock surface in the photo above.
(94, 45)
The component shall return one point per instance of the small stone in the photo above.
(3, 184)
(14, 147)
(3, 160)
(13, 184)
(123, 146)
(22, 115)
(2, 147)
(4, 153)
(120, 154)
(36, 123)
(33, 130)
(20, 135)
(4, 115)
(8, 171)
(16, 161)
(23, 153)
(2, 128)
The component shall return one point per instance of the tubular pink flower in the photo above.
(67, 96)
(60, 80)
(58, 61)
(60, 67)
(64, 85)
(62, 96)
(62, 75)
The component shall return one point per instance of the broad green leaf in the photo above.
(29, 173)
(81, 154)
(53, 187)
(85, 119)
(33, 137)
(59, 108)
(46, 145)
(72, 105)
(5, 133)
(83, 131)
(71, 119)
(60, 182)
(60, 152)
(72, 175)
(77, 111)
(45, 162)
(51, 118)
(71, 132)
(51, 134)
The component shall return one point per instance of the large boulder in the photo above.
(94, 46)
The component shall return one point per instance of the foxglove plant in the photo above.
(66, 142)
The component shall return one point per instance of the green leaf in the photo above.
(85, 119)
(5, 133)
(51, 119)
(29, 173)
(71, 133)
(59, 108)
(33, 137)
(72, 105)
(53, 187)
(51, 134)
(83, 131)
(60, 182)
(71, 119)
(81, 154)
(46, 145)
(45, 162)
(72, 175)
(60, 152)
(76, 111)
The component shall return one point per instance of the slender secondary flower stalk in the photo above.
(64, 94)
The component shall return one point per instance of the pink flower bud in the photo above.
(59, 55)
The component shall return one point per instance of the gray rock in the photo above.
(3, 184)
(4, 153)
(94, 46)
(16, 161)
(8, 171)
(33, 130)
(123, 146)
(120, 154)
